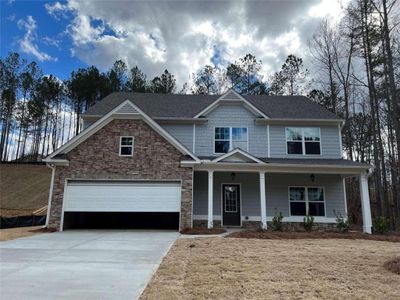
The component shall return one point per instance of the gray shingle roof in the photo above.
(187, 106)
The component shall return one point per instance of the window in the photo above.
(228, 138)
(316, 205)
(303, 140)
(126, 146)
(307, 200)
(222, 139)
(231, 199)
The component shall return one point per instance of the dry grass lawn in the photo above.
(14, 233)
(233, 268)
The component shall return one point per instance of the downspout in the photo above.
(53, 172)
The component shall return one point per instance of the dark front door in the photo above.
(231, 204)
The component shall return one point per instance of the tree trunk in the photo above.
(395, 103)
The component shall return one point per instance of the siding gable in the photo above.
(231, 115)
(182, 132)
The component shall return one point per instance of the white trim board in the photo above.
(238, 151)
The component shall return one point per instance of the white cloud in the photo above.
(184, 36)
(57, 9)
(332, 9)
(28, 43)
(51, 41)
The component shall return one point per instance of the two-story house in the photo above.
(155, 160)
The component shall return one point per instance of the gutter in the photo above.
(162, 120)
(260, 121)
(55, 161)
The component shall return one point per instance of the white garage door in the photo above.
(109, 196)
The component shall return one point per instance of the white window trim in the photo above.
(230, 138)
(306, 199)
(303, 142)
(120, 145)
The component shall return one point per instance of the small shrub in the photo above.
(277, 222)
(393, 265)
(381, 225)
(308, 223)
(342, 223)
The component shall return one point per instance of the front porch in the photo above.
(233, 198)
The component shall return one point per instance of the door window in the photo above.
(231, 199)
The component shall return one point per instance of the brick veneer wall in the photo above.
(154, 158)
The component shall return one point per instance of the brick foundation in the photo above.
(98, 157)
(203, 223)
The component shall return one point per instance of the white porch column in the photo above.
(365, 204)
(262, 201)
(210, 198)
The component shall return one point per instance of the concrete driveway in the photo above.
(95, 264)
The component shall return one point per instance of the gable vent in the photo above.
(127, 109)
(231, 96)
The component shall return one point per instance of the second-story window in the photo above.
(229, 138)
(303, 140)
(126, 146)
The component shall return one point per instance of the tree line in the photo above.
(38, 113)
(356, 74)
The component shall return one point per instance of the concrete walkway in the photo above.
(95, 264)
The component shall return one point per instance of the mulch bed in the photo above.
(43, 230)
(393, 265)
(260, 234)
(203, 231)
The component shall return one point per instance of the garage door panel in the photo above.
(122, 197)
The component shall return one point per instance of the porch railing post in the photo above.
(210, 198)
(262, 201)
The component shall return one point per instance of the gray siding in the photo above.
(278, 198)
(231, 116)
(276, 192)
(249, 184)
(182, 132)
(330, 143)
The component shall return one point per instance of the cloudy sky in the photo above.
(181, 36)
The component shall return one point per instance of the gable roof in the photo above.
(237, 155)
(124, 108)
(188, 106)
(231, 97)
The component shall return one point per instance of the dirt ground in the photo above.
(14, 233)
(237, 268)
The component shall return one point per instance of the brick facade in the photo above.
(97, 157)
